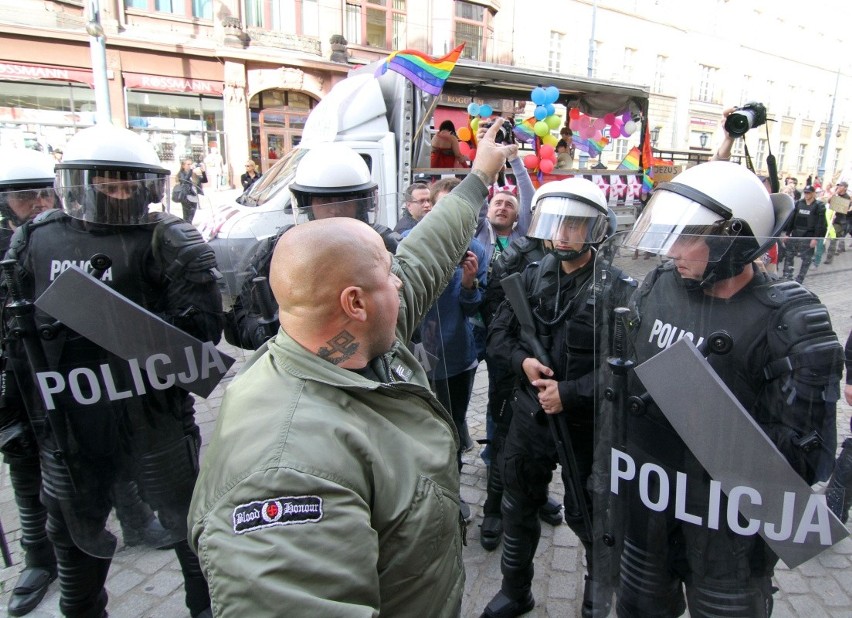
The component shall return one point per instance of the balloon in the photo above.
(539, 96)
(464, 134)
(473, 109)
(474, 125)
(485, 111)
(549, 140)
(625, 116)
(546, 152)
(609, 118)
(551, 95)
(540, 112)
(586, 132)
(546, 166)
(629, 128)
(464, 148)
(550, 109)
(472, 154)
(553, 121)
(541, 129)
(574, 124)
(615, 130)
(573, 113)
(599, 124)
(530, 161)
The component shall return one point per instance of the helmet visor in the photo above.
(20, 205)
(113, 197)
(562, 219)
(361, 205)
(670, 221)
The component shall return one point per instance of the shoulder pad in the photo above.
(525, 244)
(21, 235)
(778, 293)
(179, 248)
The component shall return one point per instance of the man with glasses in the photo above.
(417, 204)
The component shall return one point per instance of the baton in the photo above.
(263, 300)
(515, 294)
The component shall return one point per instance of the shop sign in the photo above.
(17, 71)
(163, 83)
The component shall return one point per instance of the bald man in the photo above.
(330, 487)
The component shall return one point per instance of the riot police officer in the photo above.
(90, 434)
(564, 298)
(331, 180)
(26, 189)
(783, 366)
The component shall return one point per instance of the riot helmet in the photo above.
(111, 176)
(574, 206)
(332, 180)
(26, 184)
(720, 204)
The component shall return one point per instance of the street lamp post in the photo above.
(97, 46)
(829, 129)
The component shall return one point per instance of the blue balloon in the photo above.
(539, 96)
(540, 112)
(485, 111)
(551, 95)
(550, 109)
(473, 109)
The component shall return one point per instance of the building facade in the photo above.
(240, 76)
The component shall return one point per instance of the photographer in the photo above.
(188, 187)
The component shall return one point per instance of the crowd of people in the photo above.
(331, 484)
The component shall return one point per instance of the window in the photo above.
(769, 94)
(739, 149)
(809, 105)
(760, 159)
(201, 9)
(800, 160)
(621, 149)
(660, 74)
(472, 26)
(376, 23)
(706, 87)
(782, 153)
(837, 155)
(628, 63)
(819, 156)
(290, 16)
(554, 59)
(744, 93)
(791, 100)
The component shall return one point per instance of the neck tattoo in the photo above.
(340, 348)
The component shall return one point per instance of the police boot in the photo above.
(838, 493)
(139, 525)
(597, 599)
(491, 529)
(39, 560)
(81, 583)
(194, 584)
(502, 606)
(551, 512)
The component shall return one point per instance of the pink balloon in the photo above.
(464, 148)
(530, 161)
(574, 124)
(615, 130)
(609, 118)
(546, 166)
(546, 152)
(472, 154)
(599, 123)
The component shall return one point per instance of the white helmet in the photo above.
(110, 175)
(334, 174)
(574, 200)
(722, 201)
(28, 175)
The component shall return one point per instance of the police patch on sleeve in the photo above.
(285, 511)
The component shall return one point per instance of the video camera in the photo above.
(747, 117)
(505, 134)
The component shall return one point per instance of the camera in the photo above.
(744, 118)
(504, 134)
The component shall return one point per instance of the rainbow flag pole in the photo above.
(427, 73)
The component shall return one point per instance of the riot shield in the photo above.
(107, 388)
(717, 420)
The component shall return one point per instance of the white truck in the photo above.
(386, 120)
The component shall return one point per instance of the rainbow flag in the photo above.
(631, 161)
(591, 146)
(524, 131)
(425, 72)
(647, 159)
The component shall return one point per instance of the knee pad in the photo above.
(646, 587)
(750, 599)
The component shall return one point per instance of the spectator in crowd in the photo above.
(839, 202)
(565, 149)
(416, 204)
(189, 180)
(251, 175)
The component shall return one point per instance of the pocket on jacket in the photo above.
(424, 534)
